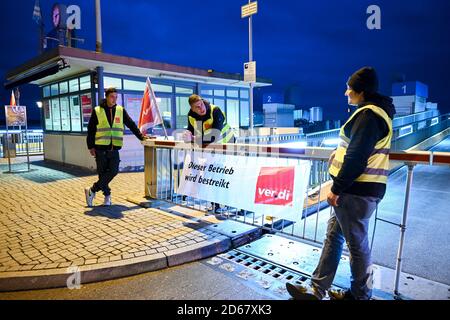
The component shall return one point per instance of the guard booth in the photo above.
(72, 83)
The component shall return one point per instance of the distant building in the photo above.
(410, 97)
(432, 106)
(301, 114)
(337, 124)
(316, 114)
(278, 115)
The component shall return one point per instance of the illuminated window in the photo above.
(85, 83)
(109, 82)
(65, 113)
(75, 113)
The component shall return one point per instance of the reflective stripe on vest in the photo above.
(225, 135)
(377, 169)
(106, 134)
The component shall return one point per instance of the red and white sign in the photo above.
(268, 186)
(275, 186)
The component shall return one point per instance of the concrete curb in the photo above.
(198, 251)
(57, 278)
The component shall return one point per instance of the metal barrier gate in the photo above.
(164, 164)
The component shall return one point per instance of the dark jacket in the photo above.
(218, 122)
(364, 131)
(92, 127)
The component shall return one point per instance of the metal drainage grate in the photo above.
(276, 271)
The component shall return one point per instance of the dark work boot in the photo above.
(303, 292)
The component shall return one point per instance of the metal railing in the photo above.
(271, 139)
(18, 142)
(421, 116)
(164, 165)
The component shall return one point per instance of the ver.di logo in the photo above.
(275, 186)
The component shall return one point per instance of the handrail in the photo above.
(316, 153)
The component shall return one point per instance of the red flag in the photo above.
(149, 116)
(13, 99)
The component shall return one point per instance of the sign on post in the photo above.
(250, 71)
(16, 116)
(249, 9)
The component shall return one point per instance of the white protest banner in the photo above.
(270, 186)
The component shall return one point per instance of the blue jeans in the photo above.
(348, 222)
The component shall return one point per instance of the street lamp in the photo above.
(39, 104)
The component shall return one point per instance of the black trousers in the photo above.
(107, 169)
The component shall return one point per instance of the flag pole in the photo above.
(153, 97)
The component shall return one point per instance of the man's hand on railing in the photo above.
(332, 199)
(187, 136)
(330, 160)
(92, 152)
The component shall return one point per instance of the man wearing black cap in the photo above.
(359, 168)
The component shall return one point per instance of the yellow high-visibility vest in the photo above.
(107, 134)
(225, 135)
(377, 169)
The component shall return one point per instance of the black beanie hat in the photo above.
(365, 79)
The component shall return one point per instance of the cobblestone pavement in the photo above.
(45, 223)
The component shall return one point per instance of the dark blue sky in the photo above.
(312, 45)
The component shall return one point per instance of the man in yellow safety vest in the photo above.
(207, 123)
(359, 168)
(104, 140)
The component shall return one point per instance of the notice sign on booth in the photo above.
(16, 116)
(267, 186)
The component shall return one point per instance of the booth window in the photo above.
(220, 103)
(54, 89)
(86, 107)
(47, 115)
(73, 85)
(110, 82)
(182, 111)
(133, 85)
(233, 113)
(132, 103)
(63, 87)
(65, 113)
(85, 83)
(46, 91)
(75, 113)
(183, 90)
(56, 115)
(233, 93)
(245, 113)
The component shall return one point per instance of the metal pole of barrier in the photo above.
(307, 205)
(398, 268)
(374, 228)
(154, 162)
(26, 137)
(318, 203)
